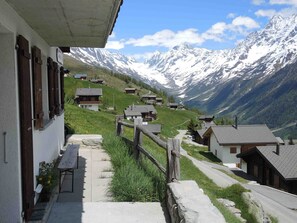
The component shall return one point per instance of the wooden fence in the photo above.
(172, 147)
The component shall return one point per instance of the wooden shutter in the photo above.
(62, 87)
(56, 87)
(37, 86)
(24, 82)
(51, 89)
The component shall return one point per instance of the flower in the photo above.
(47, 176)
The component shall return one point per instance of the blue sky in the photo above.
(144, 26)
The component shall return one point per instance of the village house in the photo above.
(274, 166)
(88, 98)
(97, 81)
(149, 99)
(173, 106)
(226, 141)
(207, 121)
(159, 101)
(130, 90)
(33, 37)
(80, 76)
(147, 112)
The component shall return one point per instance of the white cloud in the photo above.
(283, 2)
(258, 2)
(168, 38)
(247, 22)
(231, 15)
(115, 45)
(265, 13)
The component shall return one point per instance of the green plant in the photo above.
(47, 177)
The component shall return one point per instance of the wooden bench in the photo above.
(68, 163)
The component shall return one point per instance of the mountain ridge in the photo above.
(218, 81)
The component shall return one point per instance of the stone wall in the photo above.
(187, 203)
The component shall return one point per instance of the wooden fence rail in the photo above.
(172, 147)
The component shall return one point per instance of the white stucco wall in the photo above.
(230, 158)
(223, 152)
(214, 146)
(46, 143)
(10, 192)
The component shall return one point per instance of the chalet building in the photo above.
(159, 101)
(149, 99)
(226, 141)
(206, 118)
(147, 112)
(33, 37)
(130, 90)
(97, 81)
(207, 122)
(88, 98)
(80, 76)
(274, 166)
(173, 106)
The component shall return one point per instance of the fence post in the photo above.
(173, 154)
(137, 137)
(119, 127)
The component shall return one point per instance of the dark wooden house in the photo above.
(130, 90)
(88, 98)
(275, 166)
(147, 112)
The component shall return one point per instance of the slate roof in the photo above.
(79, 75)
(243, 134)
(285, 163)
(88, 92)
(128, 112)
(134, 109)
(148, 96)
(154, 128)
(206, 117)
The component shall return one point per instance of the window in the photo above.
(233, 149)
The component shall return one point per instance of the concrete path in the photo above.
(91, 201)
(218, 177)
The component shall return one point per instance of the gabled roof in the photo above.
(148, 96)
(285, 163)
(243, 134)
(88, 92)
(206, 117)
(79, 75)
(141, 109)
(130, 89)
(128, 113)
(154, 128)
(74, 23)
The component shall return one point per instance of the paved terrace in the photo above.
(91, 201)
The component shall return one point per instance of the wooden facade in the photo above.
(266, 174)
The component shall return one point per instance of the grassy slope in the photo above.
(89, 122)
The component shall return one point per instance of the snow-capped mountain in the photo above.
(215, 80)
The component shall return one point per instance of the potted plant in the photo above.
(47, 178)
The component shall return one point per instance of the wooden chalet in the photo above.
(147, 112)
(274, 166)
(80, 76)
(97, 81)
(130, 90)
(88, 98)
